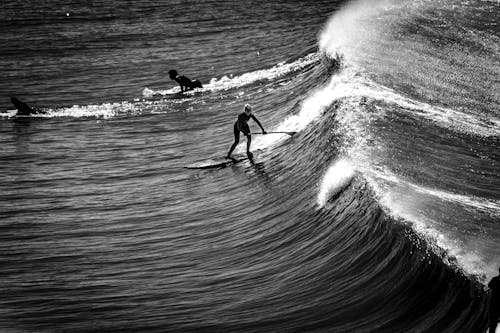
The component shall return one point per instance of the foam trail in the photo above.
(105, 110)
(338, 176)
(230, 82)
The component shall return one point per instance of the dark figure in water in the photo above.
(241, 125)
(185, 83)
(23, 109)
(494, 312)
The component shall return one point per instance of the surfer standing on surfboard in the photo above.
(241, 125)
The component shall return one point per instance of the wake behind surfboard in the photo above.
(217, 162)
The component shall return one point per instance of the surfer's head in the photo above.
(172, 73)
(248, 109)
(15, 101)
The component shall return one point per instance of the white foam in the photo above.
(105, 110)
(148, 93)
(337, 177)
(311, 108)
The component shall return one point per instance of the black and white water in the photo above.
(380, 215)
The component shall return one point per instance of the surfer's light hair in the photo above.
(248, 107)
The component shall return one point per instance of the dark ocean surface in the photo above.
(380, 215)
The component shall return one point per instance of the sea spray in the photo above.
(344, 32)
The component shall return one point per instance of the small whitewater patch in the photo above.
(230, 82)
(8, 114)
(336, 178)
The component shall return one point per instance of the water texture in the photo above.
(379, 215)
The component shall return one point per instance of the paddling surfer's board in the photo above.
(217, 162)
(159, 95)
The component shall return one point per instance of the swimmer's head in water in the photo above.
(248, 109)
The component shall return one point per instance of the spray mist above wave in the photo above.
(347, 29)
(362, 26)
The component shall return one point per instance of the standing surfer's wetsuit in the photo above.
(241, 125)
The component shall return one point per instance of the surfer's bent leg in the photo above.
(246, 129)
(236, 139)
(249, 142)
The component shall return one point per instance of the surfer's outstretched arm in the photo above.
(258, 123)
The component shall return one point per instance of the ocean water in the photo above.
(380, 215)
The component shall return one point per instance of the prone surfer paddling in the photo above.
(23, 109)
(241, 125)
(185, 83)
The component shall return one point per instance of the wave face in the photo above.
(379, 215)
